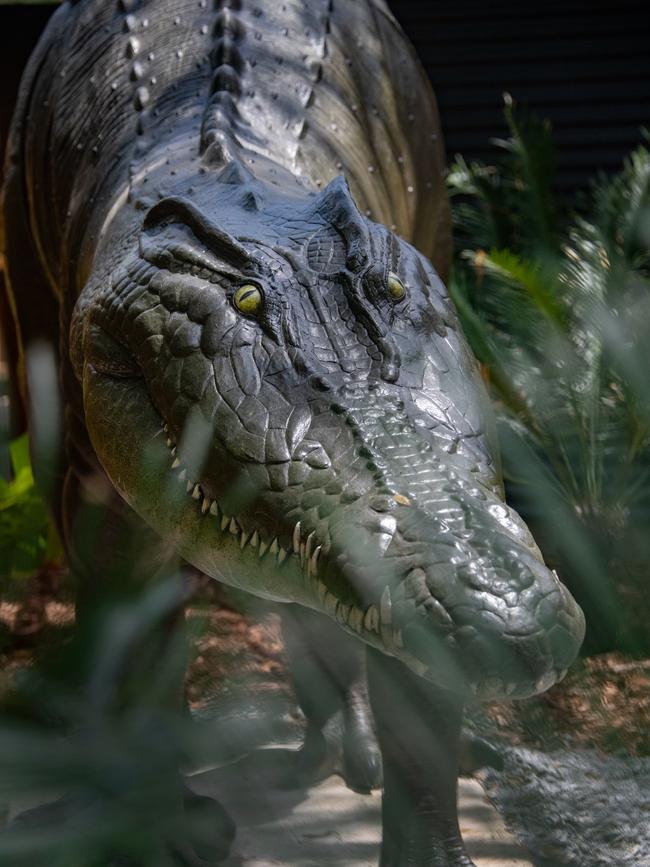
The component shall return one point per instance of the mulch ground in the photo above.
(603, 704)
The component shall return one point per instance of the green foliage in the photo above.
(557, 308)
(98, 728)
(509, 206)
(27, 538)
(93, 729)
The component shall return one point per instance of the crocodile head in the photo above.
(279, 386)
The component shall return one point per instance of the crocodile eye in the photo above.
(248, 299)
(396, 288)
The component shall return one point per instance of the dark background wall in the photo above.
(585, 64)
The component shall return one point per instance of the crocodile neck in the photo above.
(289, 84)
(311, 88)
(144, 91)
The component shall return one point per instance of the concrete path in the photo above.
(328, 824)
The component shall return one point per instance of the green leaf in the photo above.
(19, 452)
(534, 278)
(27, 536)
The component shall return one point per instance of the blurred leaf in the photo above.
(27, 536)
(530, 277)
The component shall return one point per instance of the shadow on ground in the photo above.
(328, 824)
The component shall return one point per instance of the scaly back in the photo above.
(321, 88)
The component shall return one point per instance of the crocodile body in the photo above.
(223, 213)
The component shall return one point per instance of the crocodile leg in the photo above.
(328, 670)
(361, 753)
(330, 677)
(419, 733)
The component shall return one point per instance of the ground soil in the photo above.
(603, 704)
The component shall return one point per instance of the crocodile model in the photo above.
(223, 214)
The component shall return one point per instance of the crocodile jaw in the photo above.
(146, 470)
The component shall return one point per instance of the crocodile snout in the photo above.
(469, 606)
(492, 616)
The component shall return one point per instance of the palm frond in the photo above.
(533, 167)
(558, 310)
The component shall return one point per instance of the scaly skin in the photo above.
(330, 444)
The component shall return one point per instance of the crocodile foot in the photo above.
(342, 746)
(418, 850)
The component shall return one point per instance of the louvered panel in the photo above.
(583, 64)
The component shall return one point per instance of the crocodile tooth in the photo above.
(282, 556)
(214, 509)
(169, 443)
(173, 451)
(205, 505)
(274, 547)
(308, 546)
(545, 682)
(422, 670)
(255, 539)
(302, 555)
(371, 619)
(313, 563)
(234, 527)
(355, 619)
(225, 521)
(321, 590)
(189, 487)
(398, 639)
(296, 538)
(165, 427)
(176, 464)
(342, 613)
(244, 540)
(386, 607)
(197, 493)
(331, 604)
(264, 547)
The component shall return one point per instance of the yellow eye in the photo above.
(396, 288)
(248, 299)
